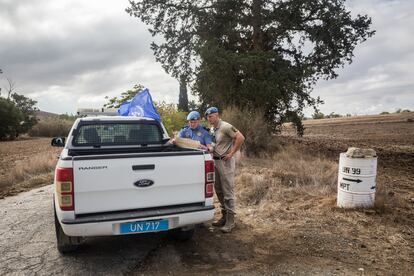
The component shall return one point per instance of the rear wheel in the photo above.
(65, 244)
(181, 234)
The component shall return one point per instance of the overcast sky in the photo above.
(69, 54)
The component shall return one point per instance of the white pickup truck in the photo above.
(118, 175)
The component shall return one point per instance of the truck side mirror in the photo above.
(58, 141)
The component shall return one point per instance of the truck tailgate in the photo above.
(112, 183)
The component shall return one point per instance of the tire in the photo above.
(182, 235)
(65, 244)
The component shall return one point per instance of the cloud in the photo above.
(379, 79)
(72, 53)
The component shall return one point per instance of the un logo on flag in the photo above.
(136, 111)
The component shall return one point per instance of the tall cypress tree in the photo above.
(183, 96)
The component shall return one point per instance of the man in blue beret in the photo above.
(227, 140)
(196, 131)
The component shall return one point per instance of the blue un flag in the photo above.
(140, 106)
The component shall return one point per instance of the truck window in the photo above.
(123, 133)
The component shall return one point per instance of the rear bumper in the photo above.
(109, 224)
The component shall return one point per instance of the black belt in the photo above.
(218, 157)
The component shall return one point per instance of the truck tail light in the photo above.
(209, 186)
(64, 188)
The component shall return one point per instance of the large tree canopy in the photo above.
(257, 54)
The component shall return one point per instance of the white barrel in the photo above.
(356, 181)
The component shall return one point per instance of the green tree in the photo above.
(318, 115)
(192, 105)
(10, 119)
(259, 54)
(28, 108)
(128, 95)
(1, 72)
(333, 115)
(171, 117)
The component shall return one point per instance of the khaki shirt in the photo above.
(223, 135)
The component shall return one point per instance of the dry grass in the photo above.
(290, 179)
(33, 172)
(289, 168)
(296, 168)
(51, 127)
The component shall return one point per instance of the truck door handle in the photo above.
(143, 167)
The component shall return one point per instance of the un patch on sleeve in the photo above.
(234, 129)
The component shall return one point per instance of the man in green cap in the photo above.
(227, 140)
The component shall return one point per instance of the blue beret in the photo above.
(211, 110)
(193, 115)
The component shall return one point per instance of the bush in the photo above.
(51, 127)
(172, 119)
(333, 115)
(384, 113)
(318, 115)
(11, 118)
(252, 124)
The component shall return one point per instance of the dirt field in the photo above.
(25, 164)
(392, 136)
(288, 222)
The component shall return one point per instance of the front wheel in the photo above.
(65, 244)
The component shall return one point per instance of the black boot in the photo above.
(230, 223)
(222, 221)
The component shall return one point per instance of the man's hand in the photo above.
(228, 156)
(202, 147)
(238, 141)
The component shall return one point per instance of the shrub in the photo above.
(172, 119)
(259, 138)
(51, 127)
(384, 113)
(11, 118)
(333, 115)
(318, 115)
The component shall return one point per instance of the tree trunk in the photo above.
(183, 97)
(257, 38)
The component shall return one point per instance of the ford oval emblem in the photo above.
(144, 183)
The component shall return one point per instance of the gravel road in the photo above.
(28, 247)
